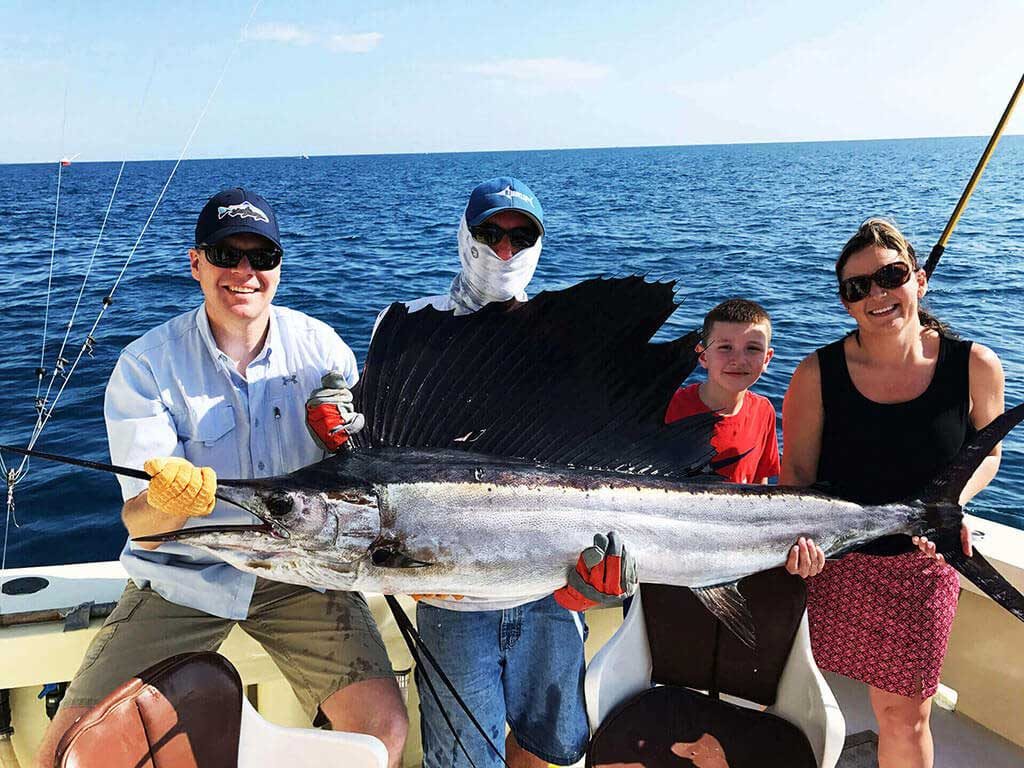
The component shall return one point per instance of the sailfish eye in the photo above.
(279, 504)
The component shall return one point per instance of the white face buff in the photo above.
(485, 278)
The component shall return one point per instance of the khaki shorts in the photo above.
(320, 641)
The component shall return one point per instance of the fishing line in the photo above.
(44, 413)
(41, 370)
(109, 298)
(415, 643)
(89, 342)
(12, 477)
(184, 149)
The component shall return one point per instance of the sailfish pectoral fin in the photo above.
(730, 607)
(391, 554)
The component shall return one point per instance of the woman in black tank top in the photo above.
(876, 415)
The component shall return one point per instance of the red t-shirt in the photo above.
(752, 430)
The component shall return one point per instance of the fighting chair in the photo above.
(701, 671)
(189, 711)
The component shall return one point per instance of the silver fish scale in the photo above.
(518, 540)
(513, 539)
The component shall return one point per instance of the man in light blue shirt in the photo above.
(220, 390)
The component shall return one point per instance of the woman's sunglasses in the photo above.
(492, 234)
(226, 257)
(854, 289)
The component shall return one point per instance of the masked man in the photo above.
(516, 662)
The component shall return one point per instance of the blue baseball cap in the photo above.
(234, 212)
(503, 194)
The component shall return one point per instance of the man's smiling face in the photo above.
(240, 293)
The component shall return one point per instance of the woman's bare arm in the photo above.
(802, 418)
(987, 385)
(987, 402)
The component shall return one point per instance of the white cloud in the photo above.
(549, 72)
(356, 43)
(275, 32)
(293, 34)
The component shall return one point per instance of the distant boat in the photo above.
(66, 161)
(303, 157)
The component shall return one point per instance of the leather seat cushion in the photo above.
(670, 727)
(184, 712)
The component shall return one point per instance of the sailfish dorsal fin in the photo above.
(569, 377)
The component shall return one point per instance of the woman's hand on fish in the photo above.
(805, 559)
(605, 574)
(178, 488)
(927, 547)
(330, 415)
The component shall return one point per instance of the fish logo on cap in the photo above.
(511, 193)
(244, 210)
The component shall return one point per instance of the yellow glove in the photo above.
(179, 488)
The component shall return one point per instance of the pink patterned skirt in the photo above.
(883, 620)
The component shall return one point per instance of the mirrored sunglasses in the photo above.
(854, 289)
(226, 257)
(518, 237)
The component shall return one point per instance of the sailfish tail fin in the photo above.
(949, 484)
(985, 577)
(944, 516)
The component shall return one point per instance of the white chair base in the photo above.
(262, 743)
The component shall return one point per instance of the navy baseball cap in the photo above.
(234, 212)
(503, 194)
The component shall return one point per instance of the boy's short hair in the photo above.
(736, 311)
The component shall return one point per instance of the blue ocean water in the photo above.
(761, 221)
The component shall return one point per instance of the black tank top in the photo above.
(872, 452)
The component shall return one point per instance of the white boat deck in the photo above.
(959, 741)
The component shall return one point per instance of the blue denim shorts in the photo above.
(522, 666)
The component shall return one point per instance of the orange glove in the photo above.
(179, 488)
(330, 417)
(605, 574)
(436, 596)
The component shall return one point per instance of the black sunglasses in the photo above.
(854, 289)
(492, 234)
(226, 257)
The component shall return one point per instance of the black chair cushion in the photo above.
(670, 727)
(691, 648)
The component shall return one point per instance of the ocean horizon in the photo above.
(306, 156)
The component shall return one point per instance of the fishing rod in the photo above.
(939, 248)
(273, 526)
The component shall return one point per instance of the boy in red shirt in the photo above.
(736, 350)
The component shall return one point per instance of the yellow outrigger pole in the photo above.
(940, 247)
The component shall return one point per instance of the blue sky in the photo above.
(346, 78)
